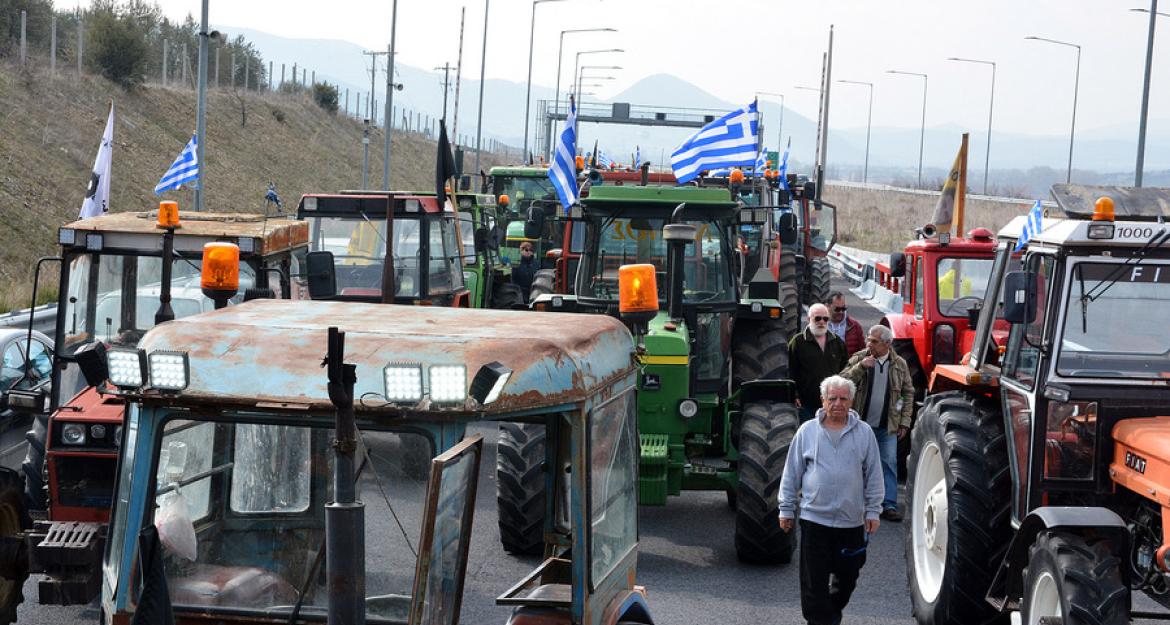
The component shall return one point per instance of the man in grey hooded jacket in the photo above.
(834, 468)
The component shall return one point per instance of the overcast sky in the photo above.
(735, 48)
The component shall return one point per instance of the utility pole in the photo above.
(373, 74)
(201, 107)
(390, 88)
(458, 76)
(446, 80)
(482, 66)
(1141, 150)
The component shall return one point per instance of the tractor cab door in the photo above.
(446, 535)
(1024, 409)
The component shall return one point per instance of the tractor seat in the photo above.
(232, 586)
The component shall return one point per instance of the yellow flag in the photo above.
(944, 211)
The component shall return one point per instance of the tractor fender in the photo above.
(630, 607)
(897, 323)
(1084, 521)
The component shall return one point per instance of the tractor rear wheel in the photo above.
(542, 283)
(959, 491)
(790, 300)
(506, 296)
(1075, 580)
(13, 518)
(820, 279)
(33, 466)
(905, 349)
(760, 352)
(765, 434)
(520, 487)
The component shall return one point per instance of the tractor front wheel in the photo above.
(959, 490)
(13, 519)
(1077, 581)
(542, 283)
(765, 434)
(506, 296)
(760, 352)
(820, 279)
(33, 466)
(520, 487)
(905, 349)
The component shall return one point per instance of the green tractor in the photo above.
(715, 408)
(482, 225)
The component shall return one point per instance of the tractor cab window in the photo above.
(522, 190)
(628, 240)
(962, 283)
(240, 512)
(1115, 321)
(919, 286)
(443, 269)
(613, 496)
(1025, 341)
(358, 246)
(822, 228)
(467, 235)
(406, 257)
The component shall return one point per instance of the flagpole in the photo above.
(961, 192)
(201, 108)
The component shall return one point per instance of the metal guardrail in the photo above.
(869, 275)
(873, 186)
(44, 318)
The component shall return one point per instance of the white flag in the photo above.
(97, 196)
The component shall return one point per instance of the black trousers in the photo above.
(830, 560)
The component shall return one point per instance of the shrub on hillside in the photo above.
(325, 96)
(117, 44)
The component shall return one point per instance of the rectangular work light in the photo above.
(169, 371)
(127, 367)
(403, 383)
(448, 383)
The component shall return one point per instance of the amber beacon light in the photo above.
(220, 277)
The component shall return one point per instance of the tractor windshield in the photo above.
(240, 512)
(962, 283)
(1115, 321)
(522, 190)
(628, 240)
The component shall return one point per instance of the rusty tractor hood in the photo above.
(267, 352)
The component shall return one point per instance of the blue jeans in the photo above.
(888, 452)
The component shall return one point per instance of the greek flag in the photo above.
(603, 160)
(1032, 227)
(761, 163)
(637, 156)
(563, 172)
(185, 169)
(729, 141)
(783, 170)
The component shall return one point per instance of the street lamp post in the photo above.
(577, 62)
(1076, 88)
(868, 122)
(528, 91)
(560, 49)
(780, 125)
(1141, 151)
(580, 76)
(922, 133)
(990, 108)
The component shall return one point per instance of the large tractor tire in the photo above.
(905, 349)
(790, 301)
(13, 518)
(33, 466)
(1076, 580)
(765, 434)
(959, 491)
(542, 283)
(820, 279)
(520, 487)
(760, 352)
(506, 296)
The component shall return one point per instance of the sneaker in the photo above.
(892, 515)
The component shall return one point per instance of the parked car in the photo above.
(19, 372)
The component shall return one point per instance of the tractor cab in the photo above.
(1060, 435)
(352, 232)
(242, 458)
(116, 285)
(713, 394)
(482, 233)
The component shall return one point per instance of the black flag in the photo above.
(444, 164)
(154, 603)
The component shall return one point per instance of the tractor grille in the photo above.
(85, 481)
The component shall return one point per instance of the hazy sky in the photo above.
(735, 48)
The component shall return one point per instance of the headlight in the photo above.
(73, 434)
(448, 383)
(403, 383)
(127, 367)
(688, 408)
(169, 370)
(97, 430)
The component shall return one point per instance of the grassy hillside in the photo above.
(50, 130)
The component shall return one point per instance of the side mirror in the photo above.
(1019, 297)
(481, 237)
(465, 182)
(787, 228)
(32, 401)
(783, 197)
(810, 189)
(496, 238)
(534, 225)
(322, 275)
(897, 264)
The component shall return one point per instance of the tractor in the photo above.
(350, 239)
(115, 284)
(816, 225)
(715, 410)
(257, 466)
(1035, 469)
(487, 276)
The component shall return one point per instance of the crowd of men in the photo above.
(856, 399)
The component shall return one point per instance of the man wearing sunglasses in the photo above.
(813, 355)
(845, 327)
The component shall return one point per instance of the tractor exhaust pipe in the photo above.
(677, 236)
(345, 550)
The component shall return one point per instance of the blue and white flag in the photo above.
(1032, 226)
(729, 141)
(783, 170)
(761, 163)
(97, 196)
(185, 169)
(603, 159)
(637, 156)
(563, 171)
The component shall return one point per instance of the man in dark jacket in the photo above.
(525, 270)
(814, 355)
(845, 327)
